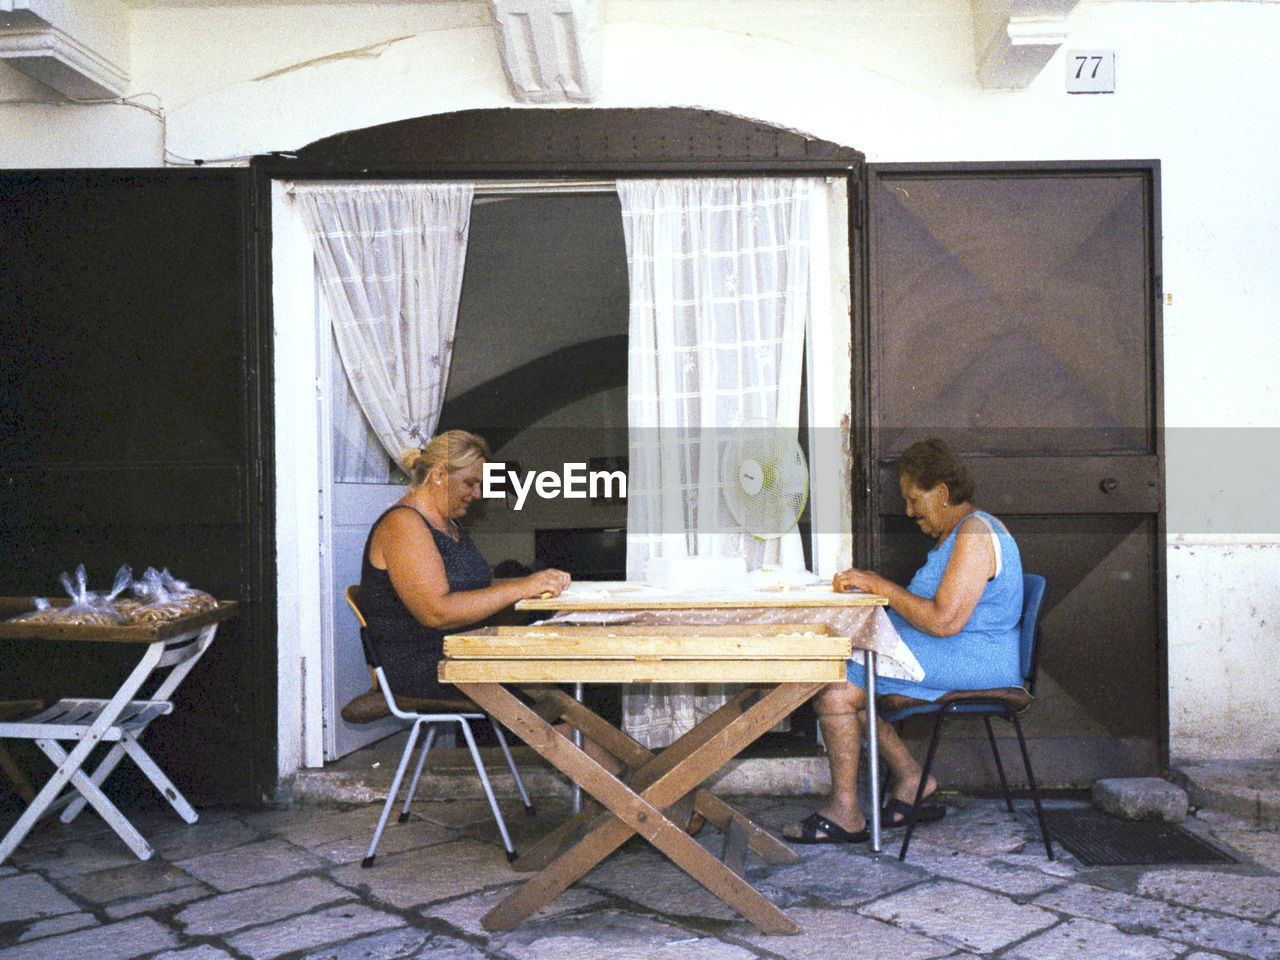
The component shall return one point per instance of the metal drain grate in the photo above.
(1098, 839)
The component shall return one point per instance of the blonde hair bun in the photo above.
(456, 449)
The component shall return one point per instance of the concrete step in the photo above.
(1249, 789)
(366, 775)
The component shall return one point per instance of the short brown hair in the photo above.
(931, 462)
(456, 449)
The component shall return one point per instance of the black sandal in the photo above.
(833, 832)
(898, 812)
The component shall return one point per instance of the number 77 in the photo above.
(1097, 62)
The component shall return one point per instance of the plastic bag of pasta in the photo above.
(87, 607)
(43, 612)
(161, 597)
(191, 599)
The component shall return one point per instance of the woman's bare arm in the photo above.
(417, 573)
(971, 565)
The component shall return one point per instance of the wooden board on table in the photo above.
(642, 597)
(132, 633)
(642, 671)
(771, 641)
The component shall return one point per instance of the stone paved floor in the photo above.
(288, 884)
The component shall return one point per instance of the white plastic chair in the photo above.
(120, 721)
(429, 714)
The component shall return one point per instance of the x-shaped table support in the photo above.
(657, 782)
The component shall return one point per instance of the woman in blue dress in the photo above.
(959, 615)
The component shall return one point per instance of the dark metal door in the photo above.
(1014, 311)
(132, 432)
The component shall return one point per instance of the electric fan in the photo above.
(764, 478)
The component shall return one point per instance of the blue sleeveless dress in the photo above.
(985, 653)
(410, 650)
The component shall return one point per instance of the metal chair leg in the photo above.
(488, 789)
(1035, 790)
(417, 772)
(511, 764)
(391, 795)
(995, 752)
(924, 778)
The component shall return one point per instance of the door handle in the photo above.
(1108, 485)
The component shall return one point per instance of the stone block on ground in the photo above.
(1141, 798)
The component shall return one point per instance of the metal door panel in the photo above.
(1014, 313)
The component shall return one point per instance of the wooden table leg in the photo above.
(648, 767)
(15, 774)
(642, 813)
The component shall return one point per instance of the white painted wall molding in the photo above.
(552, 50)
(1014, 39)
(59, 61)
(80, 48)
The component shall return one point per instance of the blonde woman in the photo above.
(422, 577)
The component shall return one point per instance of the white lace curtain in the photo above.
(389, 261)
(720, 295)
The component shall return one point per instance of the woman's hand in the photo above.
(853, 579)
(944, 614)
(552, 582)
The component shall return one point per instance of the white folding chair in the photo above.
(429, 713)
(120, 721)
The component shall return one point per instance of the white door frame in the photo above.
(299, 563)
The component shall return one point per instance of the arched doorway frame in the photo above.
(537, 145)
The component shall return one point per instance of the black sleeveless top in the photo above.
(410, 650)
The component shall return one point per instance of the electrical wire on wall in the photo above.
(133, 100)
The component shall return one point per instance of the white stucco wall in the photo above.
(1195, 89)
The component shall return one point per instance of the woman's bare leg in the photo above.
(837, 707)
(906, 771)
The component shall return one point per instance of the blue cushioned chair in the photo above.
(1003, 702)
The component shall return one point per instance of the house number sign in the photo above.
(1091, 71)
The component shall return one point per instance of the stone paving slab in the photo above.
(1251, 897)
(836, 876)
(646, 877)
(1000, 874)
(55, 925)
(193, 840)
(401, 944)
(1075, 939)
(250, 865)
(397, 838)
(203, 952)
(29, 897)
(137, 879)
(614, 935)
(75, 856)
(409, 879)
(311, 930)
(464, 913)
(116, 941)
(984, 830)
(1259, 844)
(1196, 928)
(843, 935)
(158, 902)
(246, 908)
(961, 915)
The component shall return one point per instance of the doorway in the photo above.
(541, 352)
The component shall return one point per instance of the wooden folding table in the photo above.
(780, 667)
